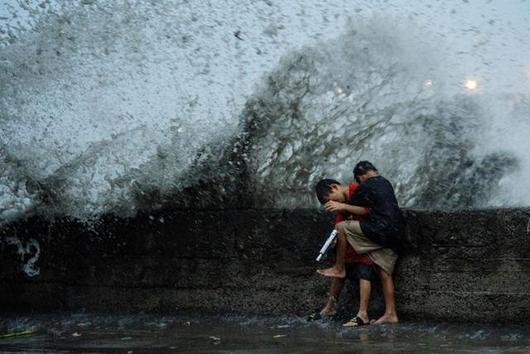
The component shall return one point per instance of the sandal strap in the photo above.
(355, 322)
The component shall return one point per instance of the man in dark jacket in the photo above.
(380, 231)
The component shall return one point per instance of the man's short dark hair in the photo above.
(362, 168)
(323, 188)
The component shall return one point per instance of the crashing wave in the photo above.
(96, 118)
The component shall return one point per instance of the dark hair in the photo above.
(323, 188)
(362, 168)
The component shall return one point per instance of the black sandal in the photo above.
(318, 316)
(314, 317)
(355, 322)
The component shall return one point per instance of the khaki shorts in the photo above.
(384, 257)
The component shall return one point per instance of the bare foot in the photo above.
(327, 312)
(332, 272)
(330, 307)
(386, 318)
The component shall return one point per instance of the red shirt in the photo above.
(351, 255)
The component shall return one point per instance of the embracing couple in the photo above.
(368, 223)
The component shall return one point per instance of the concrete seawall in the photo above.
(462, 265)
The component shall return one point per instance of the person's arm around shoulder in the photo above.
(345, 208)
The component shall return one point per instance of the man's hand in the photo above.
(334, 206)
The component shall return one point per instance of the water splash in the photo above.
(118, 106)
(98, 108)
(363, 96)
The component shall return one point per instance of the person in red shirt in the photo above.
(378, 236)
(358, 267)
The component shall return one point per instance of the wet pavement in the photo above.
(91, 333)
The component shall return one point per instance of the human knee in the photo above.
(340, 227)
(384, 274)
(364, 283)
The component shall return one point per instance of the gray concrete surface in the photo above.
(462, 265)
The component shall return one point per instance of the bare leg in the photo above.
(365, 287)
(337, 271)
(336, 287)
(387, 283)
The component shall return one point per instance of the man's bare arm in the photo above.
(342, 207)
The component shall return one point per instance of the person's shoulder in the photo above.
(353, 187)
(385, 181)
(372, 180)
(377, 180)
